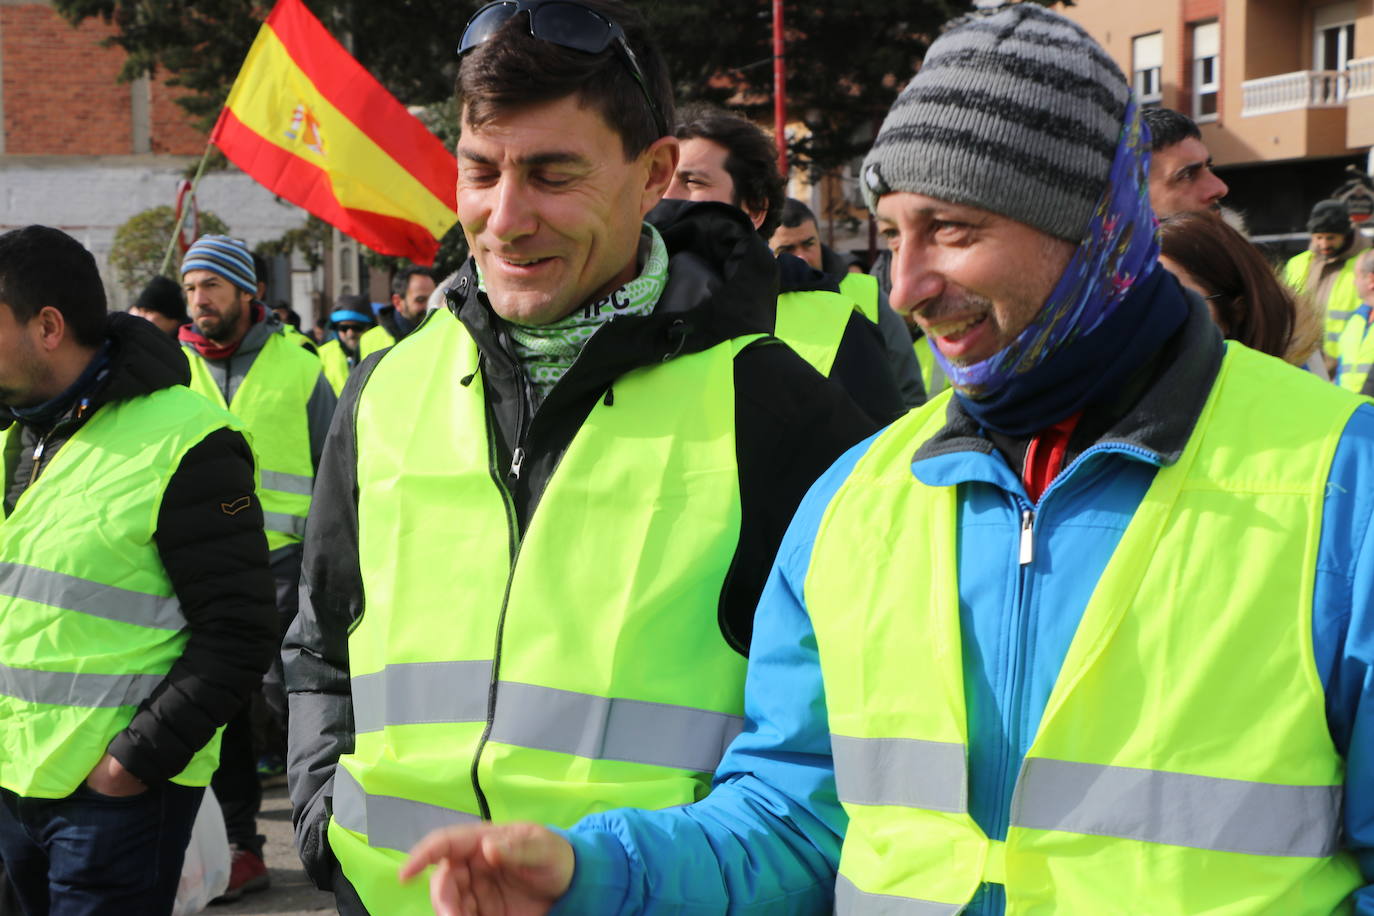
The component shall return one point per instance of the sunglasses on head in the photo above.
(566, 24)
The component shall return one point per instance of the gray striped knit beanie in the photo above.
(1015, 110)
(225, 256)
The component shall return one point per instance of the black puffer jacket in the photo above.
(217, 562)
(791, 424)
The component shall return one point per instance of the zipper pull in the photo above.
(517, 461)
(1027, 536)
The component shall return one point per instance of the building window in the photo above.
(1333, 32)
(1206, 70)
(1147, 53)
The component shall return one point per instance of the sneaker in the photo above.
(247, 874)
(271, 770)
(271, 765)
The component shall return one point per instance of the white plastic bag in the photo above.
(205, 873)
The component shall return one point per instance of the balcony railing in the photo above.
(1359, 78)
(1293, 91)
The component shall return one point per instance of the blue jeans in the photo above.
(94, 855)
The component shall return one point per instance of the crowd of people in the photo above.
(660, 560)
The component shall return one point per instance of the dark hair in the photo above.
(794, 213)
(259, 267)
(1249, 302)
(163, 295)
(1168, 127)
(400, 283)
(513, 69)
(751, 161)
(41, 266)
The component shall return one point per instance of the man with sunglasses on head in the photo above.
(546, 515)
(350, 320)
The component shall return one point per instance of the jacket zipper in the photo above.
(42, 445)
(524, 420)
(514, 543)
(1025, 585)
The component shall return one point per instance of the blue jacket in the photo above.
(767, 838)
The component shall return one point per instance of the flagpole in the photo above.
(180, 217)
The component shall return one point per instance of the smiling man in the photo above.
(545, 517)
(1089, 633)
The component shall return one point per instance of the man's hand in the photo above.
(110, 778)
(493, 869)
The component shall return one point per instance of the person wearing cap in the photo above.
(1326, 270)
(544, 517)
(411, 289)
(1090, 633)
(135, 596)
(728, 159)
(161, 303)
(351, 318)
(242, 359)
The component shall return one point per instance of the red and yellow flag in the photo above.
(309, 123)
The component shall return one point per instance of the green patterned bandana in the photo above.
(547, 351)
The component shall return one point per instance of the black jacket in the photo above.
(791, 424)
(217, 562)
(861, 364)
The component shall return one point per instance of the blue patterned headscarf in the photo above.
(1120, 247)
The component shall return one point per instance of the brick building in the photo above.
(1282, 90)
(84, 152)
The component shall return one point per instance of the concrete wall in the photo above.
(90, 197)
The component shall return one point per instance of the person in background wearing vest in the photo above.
(242, 359)
(161, 303)
(410, 291)
(136, 611)
(799, 235)
(1326, 270)
(727, 159)
(1355, 355)
(545, 517)
(351, 318)
(1120, 575)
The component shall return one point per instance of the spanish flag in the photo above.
(310, 124)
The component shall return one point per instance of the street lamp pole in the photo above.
(779, 90)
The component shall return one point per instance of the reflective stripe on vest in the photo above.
(55, 589)
(387, 821)
(812, 323)
(850, 901)
(615, 685)
(862, 289)
(1180, 809)
(66, 688)
(273, 403)
(89, 621)
(598, 728)
(1150, 779)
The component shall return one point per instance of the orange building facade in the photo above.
(1282, 90)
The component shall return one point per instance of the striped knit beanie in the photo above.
(227, 257)
(1015, 110)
